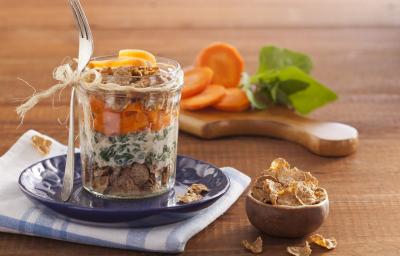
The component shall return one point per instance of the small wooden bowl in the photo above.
(286, 221)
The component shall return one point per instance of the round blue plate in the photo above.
(42, 182)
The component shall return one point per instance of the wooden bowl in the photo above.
(286, 221)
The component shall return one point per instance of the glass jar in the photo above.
(129, 130)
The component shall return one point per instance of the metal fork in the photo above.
(85, 53)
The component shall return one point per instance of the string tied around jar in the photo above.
(66, 77)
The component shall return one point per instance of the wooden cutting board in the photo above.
(321, 138)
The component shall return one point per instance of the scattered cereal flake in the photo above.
(327, 243)
(300, 250)
(198, 188)
(254, 247)
(189, 197)
(41, 144)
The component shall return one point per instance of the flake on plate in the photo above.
(198, 188)
(327, 243)
(189, 197)
(254, 247)
(299, 250)
(41, 144)
(193, 193)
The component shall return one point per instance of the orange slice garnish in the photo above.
(122, 62)
(142, 54)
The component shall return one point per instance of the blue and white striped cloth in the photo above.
(20, 215)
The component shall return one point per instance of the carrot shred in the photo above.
(226, 62)
(211, 95)
(235, 100)
(196, 80)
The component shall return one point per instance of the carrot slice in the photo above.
(226, 62)
(142, 54)
(137, 62)
(235, 100)
(159, 119)
(211, 95)
(196, 80)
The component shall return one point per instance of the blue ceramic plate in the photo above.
(42, 182)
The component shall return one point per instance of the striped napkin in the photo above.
(20, 215)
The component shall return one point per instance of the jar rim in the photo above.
(169, 69)
(174, 66)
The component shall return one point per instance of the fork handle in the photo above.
(68, 180)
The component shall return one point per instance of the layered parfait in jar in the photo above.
(129, 110)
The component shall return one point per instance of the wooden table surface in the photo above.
(355, 45)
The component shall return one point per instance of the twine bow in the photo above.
(66, 77)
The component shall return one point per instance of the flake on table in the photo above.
(254, 247)
(41, 144)
(299, 250)
(327, 243)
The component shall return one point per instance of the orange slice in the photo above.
(226, 62)
(196, 80)
(210, 96)
(137, 62)
(235, 100)
(142, 54)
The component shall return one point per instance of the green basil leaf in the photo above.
(306, 100)
(292, 86)
(272, 57)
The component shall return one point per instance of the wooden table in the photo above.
(355, 45)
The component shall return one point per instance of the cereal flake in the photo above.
(300, 250)
(254, 247)
(41, 144)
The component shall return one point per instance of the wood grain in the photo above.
(355, 48)
(322, 138)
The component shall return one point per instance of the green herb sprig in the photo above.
(283, 78)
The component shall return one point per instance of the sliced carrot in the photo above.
(211, 95)
(226, 62)
(159, 119)
(133, 121)
(196, 80)
(235, 100)
(114, 63)
(142, 54)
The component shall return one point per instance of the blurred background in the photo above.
(355, 47)
(345, 38)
